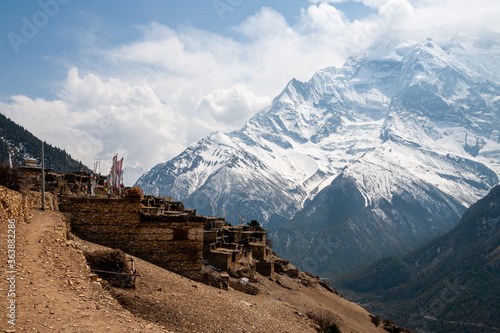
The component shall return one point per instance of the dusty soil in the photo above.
(53, 290)
(54, 293)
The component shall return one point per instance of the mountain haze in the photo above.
(360, 162)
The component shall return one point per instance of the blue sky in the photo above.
(104, 77)
(29, 65)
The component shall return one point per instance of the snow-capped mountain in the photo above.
(404, 137)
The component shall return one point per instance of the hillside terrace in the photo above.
(157, 229)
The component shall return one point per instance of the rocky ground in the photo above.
(54, 293)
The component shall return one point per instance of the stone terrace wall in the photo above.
(34, 200)
(16, 205)
(172, 242)
(12, 206)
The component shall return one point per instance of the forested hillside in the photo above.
(451, 284)
(23, 144)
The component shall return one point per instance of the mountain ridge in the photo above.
(467, 257)
(398, 113)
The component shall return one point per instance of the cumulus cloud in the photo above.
(229, 106)
(149, 98)
(94, 118)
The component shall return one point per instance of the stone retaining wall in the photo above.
(173, 242)
(16, 205)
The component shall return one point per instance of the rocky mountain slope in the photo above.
(367, 160)
(449, 284)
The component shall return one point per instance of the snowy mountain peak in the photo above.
(389, 47)
(480, 53)
(420, 110)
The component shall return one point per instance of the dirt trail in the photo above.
(53, 290)
(54, 293)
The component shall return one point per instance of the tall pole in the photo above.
(43, 178)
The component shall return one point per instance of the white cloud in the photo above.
(171, 87)
(229, 106)
(95, 118)
(375, 4)
(458, 15)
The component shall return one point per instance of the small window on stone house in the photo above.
(180, 234)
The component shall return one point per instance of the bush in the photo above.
(256, 225)
(134, 192)
(332, 329)
(9, 178)
(376, 320)
(326, 321)
(112, 266)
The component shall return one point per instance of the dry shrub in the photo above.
(213, 278)
(134, 192)
(9, 177)
(308, 274)
(112, 266)
(376, 320)
(326, 320)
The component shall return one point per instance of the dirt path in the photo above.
(54, 293)
(53, 290)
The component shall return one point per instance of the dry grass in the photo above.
(326, 320)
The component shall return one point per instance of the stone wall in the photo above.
(221, 260)
(259, 251)
(34, 200)
(16, 205)
(265, 268)
(173, 242)
(12, 206)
